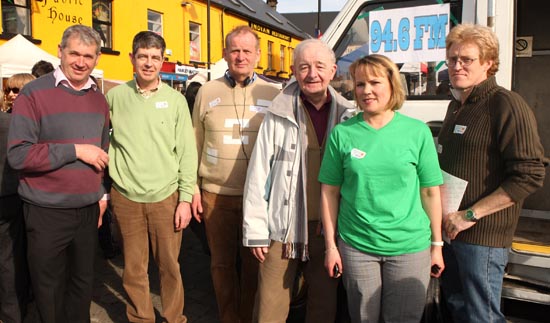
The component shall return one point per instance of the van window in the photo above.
(422, 79)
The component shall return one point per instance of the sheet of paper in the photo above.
(452, 192)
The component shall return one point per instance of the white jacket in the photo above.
(274, 192)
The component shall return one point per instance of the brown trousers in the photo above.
(140, 223)
(234, 286)
(276, 281)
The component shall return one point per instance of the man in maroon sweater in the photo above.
(58, 138)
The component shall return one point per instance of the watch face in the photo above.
(470, 215)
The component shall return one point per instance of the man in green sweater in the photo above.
(153, 167)
(488, 138)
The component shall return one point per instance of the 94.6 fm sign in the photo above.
(415, 34)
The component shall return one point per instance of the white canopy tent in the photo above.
(18, 55)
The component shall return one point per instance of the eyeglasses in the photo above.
(464, 61)
(15, 90)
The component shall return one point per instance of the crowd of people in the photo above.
(283, 180)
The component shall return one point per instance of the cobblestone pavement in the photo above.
(109, 298)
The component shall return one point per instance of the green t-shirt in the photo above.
(380, 173)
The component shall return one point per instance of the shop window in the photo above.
(270, 56)
(194, 42)
(16, 17)
(283, 58)
(291, 55)
(154, 22)
(101, 20)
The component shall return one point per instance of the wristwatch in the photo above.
(470, 215)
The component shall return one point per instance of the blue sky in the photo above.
(286, 6)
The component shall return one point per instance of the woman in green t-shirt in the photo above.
(380, 201)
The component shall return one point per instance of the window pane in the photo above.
(194, 42)
(270, 56)
(16, 17)
(101, 21)
(154, 22)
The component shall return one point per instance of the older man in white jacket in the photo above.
(281, 195)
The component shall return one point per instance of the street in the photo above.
(109, 305)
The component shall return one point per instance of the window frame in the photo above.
(155, 23)
(270, 56)
(193, 27)
(17, 8)
(107, 39)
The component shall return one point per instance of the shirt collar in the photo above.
(148, 93)
(308, 104)
(60, 78)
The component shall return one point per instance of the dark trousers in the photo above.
(13, 265)
(61, 251)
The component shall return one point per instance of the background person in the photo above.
(488, 138)
(380, 201)
(281, 201)
(153, 169)
(41, 68)
(14, 85)
(14, 282)
(60, 153)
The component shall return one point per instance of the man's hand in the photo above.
(102, 209)
(182, 216)
(454, 223)
(259, 252)
(92, 155)
(196, 207)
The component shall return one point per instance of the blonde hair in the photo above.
(19, 80)
(481, 36)
(382, 66)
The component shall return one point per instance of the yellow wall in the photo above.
(51, 17)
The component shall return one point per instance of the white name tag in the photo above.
(257, 109)
(439, 148)
(215, 102)
(459, 129)
(161, 105)
(358, 154)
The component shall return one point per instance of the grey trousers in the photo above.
(385, 289)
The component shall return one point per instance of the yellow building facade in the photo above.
(193, 41)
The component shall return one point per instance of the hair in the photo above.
(483, 37)
(19, 80)
(148, 39)
(191, 94)
(86, 34)
(239, 30)
(380, 65)
(313, 42)
(41, 67)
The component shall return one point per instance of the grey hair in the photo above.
(85, 34)
(310, 42)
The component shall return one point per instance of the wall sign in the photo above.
(415, 34)
(58, 11)
(269, 31)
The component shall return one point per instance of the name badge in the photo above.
(257, 109)
(161, 105)
(357, 154)
(214, 102)
(460, 129)
(439, 148)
